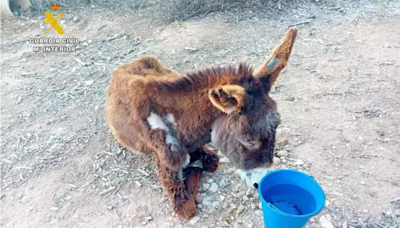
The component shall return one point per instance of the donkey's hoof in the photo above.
(210, 162)
(185, 209)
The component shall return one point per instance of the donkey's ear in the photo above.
(227, 98)
(271, 69)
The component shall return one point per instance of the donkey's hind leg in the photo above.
(181, 187)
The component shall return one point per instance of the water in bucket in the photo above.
(289, 199)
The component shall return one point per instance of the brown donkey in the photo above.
(153, 109)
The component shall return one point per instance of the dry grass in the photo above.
(39, 6)
(172, 10)
(42, 5)
(168, 10)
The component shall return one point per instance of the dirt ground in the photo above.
(339, 101)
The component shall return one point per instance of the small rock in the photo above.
(225, 205)
(89, 82)
(213, 188)
(224, 160)
(207, 201)
(222, 183)
(237, 225)
(240, 209)
(282, 153)
(215, 204)
(365, 211)
(345, 225)
(249, 192)
(210, 181)
(191, 49)
(299, 162)
(199, 198)
(327, 203)
(55, 147)
(222, 197)
(206, 186)
(259, 205)
(284, 142)
(259, 213)
(250, 224)
(231, 170)
(245, 198)
(277, 161)
(194, 220)
(89, 41)
(76, 19)
(325, 223)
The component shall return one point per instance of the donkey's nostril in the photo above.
(255, 185)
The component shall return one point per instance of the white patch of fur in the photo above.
(180, 175)
(170, 119)
(213, 135)
(187, 161)
(253, 176)
(197, 163)
(156, 122)
(170, 139)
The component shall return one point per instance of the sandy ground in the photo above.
(339, 101)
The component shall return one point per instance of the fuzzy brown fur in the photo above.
(153, 109)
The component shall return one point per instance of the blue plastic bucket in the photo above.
(289, 198)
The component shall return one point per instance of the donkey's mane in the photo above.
(209, 76)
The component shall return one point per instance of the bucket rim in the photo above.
(286, 214)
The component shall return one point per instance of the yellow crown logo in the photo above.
(55, 6)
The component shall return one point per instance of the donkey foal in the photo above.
(153, 109)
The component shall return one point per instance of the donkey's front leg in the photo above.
(208, 155)
(181, 187)
(172, 153)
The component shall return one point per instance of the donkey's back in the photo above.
(126, 98)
